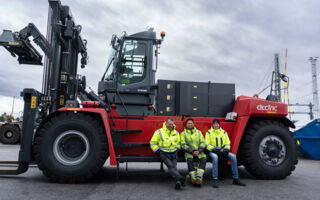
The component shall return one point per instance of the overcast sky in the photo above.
(214, 40)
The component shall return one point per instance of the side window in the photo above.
(134, 61)
(109, 74)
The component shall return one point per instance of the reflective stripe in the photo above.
(200, 170)
(152, 144)
(193, 174)
(156, 149)
(185, 136)
(227, 145)
(168, 149)
(161, 137)
(200, 173)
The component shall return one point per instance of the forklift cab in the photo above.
(129, 80)
(128, 67)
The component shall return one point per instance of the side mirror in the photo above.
(113, 40)
(83, 62)
(82, 83)
(84, 59)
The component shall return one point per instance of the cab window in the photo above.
(133, 61)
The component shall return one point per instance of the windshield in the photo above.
(134, 55)
(109, 75)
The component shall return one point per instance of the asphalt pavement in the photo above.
(146, 181)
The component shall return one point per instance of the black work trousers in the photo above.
(170, 160)
(192, 161)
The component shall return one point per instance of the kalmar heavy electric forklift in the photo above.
(70, 132)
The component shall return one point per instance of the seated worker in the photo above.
(192, 141)
(166, 143)
(218, 145)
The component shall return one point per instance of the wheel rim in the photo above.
(272, 150)
(8, 134)
(71, 147)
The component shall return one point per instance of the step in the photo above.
(144, 159)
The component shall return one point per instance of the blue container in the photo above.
(309, 138)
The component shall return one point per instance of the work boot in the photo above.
(215, 183)
(199, 181)
(177, 185)
(200, 173)
(237, 182)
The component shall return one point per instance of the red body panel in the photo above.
(244, 107)
(151, 123)
(148, 125)
(254, 106)
(237, 133)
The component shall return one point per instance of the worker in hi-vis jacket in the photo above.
(218, 145)
(166, 142)
(193, 143)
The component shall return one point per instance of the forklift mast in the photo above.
(60, 72)
(61, 84)
(61, 47)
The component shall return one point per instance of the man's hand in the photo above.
(196, 153)
(225, 150)
(216, 150)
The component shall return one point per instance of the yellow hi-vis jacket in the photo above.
(217, 138)
(165, 140)
(192, 140)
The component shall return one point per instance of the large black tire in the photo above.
(71, 148)
(268, 150)
(9, 134)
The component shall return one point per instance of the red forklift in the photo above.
(70, 132)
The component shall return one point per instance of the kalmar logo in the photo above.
(267, 108)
